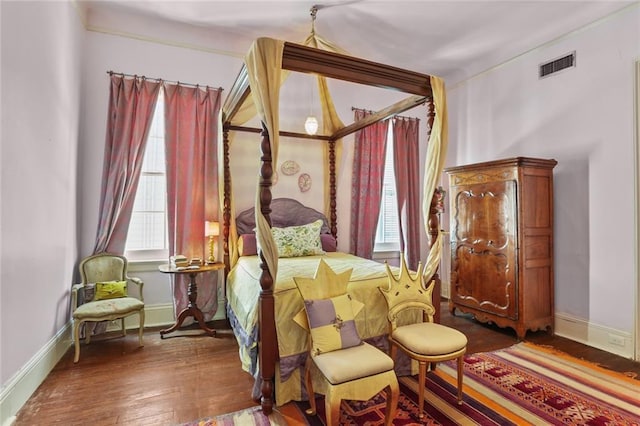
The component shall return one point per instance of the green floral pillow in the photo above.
(331, 323)
(295, 241)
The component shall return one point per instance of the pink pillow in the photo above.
(329, 242)
(247, 244)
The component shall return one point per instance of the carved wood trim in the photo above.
(226, 200)
(296, 57)
(332, 189)
(390, 111)
(267, 325)
(281, 133)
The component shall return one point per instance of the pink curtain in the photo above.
(191, 122)
(131, 105)
(406, 164)
(366, 188)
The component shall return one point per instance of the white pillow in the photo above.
(303, 240)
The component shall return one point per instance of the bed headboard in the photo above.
(284, 212)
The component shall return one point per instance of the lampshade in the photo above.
(311, 125)
(211, 229)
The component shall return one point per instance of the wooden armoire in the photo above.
(501, 217)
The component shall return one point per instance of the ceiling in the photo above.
(452, 39)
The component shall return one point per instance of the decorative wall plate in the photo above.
(290, 167)
(304, 182)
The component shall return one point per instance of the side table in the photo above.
(192, 309)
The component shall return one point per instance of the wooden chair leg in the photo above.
(460, 377)
(76, 340)
(124, 331)
(332, 408)
(312, 410)
(141, 330)
(393, 350)
(393, 393)
(422, 375)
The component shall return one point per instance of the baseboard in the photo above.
(608, 339)
(444, 289)
(22, 385)
(154, 316)
(158, 316)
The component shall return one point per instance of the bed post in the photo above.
(267, 344)
(226, 199)
(433, 224)
(332, 189)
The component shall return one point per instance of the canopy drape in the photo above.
(248, 110)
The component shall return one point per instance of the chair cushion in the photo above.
(352, 363)
(97, 308)
(110, 290)
(429, 338)
(331, 323)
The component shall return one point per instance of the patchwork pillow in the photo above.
(295, 241)
(331, 323)
(110, 290)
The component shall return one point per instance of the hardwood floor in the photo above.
(184, 378)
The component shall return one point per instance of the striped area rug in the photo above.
(521, 385)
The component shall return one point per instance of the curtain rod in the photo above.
(402, 117)
(160, 80)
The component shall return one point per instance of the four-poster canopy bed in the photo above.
(257, 89)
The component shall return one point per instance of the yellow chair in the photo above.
(340, 365)
(425, 342)
(105, 275)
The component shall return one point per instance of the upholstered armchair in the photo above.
(103, 295)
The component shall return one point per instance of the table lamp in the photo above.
(211, 230)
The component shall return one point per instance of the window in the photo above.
(388, 232)
(147, 237)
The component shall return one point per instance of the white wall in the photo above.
(41, 54)
(582, 117)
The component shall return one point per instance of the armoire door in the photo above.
(484, 247)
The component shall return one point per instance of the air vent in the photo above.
(552, 67)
